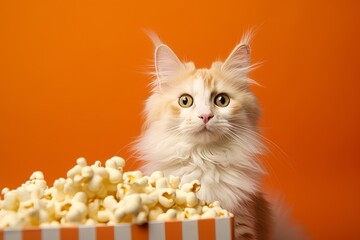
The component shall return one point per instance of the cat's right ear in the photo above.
(167, 64)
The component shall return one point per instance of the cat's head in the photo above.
(203, 105)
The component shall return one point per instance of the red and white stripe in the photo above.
(204, 229)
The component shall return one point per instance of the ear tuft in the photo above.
(238, 62)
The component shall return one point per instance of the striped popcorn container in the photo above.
(202, 229)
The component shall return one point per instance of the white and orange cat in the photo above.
(203, 124)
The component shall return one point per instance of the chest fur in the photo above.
(222, 179)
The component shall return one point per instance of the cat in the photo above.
(203, 124)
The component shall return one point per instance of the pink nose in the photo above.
(206, 117)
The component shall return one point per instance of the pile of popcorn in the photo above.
(93, 194)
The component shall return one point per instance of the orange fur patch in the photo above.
(207, 77)
(174, 111)
(235, 107)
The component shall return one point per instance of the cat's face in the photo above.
(205, 106)
(202, 105)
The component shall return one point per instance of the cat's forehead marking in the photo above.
(202, 87)
(205, 78)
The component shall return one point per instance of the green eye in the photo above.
(185, 101)
(222, 100)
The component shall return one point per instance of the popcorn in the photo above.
(11, 201)
(166, 197)
(174, 181)
(154, 213)
(74, 171)
(131, 177)
(96, 194)
(81, 162)
(110, 203)
(77, 213)
(191, 199)
(194, 186)
(180, 198)
(211, 213)
(103, 216)
(156, 175)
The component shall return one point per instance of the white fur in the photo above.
(218, 168)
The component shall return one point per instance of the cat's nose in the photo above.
(206, 117)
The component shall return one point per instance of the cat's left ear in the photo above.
(238, 62)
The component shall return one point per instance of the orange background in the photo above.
(72, 84)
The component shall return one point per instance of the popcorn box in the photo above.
(135, 207)
(202, 229)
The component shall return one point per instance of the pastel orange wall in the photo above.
(72, 84)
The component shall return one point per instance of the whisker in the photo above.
(277, 147)
(236, 133)
(283, 157)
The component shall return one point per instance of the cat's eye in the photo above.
(185, 101)
(222, 100)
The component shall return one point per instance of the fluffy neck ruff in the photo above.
(227, 169)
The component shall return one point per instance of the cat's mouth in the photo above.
(204, 129)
